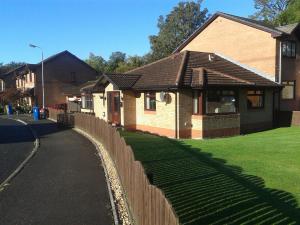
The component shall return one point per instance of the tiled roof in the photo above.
(218, 68)
(160, 74)
(288, 29)
(91, 86)
(185, 70)
(123, 81)
(194, 69)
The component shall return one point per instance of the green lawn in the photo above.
(252, 179)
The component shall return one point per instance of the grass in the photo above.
(272, 155)
(251, 179)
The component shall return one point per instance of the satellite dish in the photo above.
(162, 96)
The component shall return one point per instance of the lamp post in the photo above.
(43, 84)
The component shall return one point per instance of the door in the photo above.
(114, 115)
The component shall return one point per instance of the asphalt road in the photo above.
(64, 184)
(16, 142)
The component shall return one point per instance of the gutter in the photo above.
(280, 63)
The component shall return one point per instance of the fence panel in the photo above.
(147, 203)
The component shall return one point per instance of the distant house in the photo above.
(188, 95)
(64, 73)
(273, 51)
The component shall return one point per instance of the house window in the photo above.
(73, 77)
(221, 102)
(289, 49)
(288, 92)
(255, 99)
(150, 101)
(87, 102)
(197, 103)
(2, 85)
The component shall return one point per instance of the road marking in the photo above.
(22, 165)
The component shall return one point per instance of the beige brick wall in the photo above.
(162, 121)
(189, 125)
(100, 105)
(247, 45)
(129, 109)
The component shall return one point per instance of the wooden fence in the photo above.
(147, 203)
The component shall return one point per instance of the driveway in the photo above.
(16, 142)
(63, 184)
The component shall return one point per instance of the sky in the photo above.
(85, 26)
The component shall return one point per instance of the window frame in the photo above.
(87, 102)
(199, 111)
(236, 104)
(263, 95)
(286, 53)
(151, 95)
(294, 91)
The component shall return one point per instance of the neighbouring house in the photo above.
(64, 73)
(87, 102)
(8, 91)
(273, 51)
(188, 95)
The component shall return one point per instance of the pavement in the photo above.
(16, 142)
(63, 184)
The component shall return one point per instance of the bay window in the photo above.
(221, 102)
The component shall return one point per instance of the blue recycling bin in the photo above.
(36, 113)
(9, 109)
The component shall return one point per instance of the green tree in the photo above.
(130, 63)
(291, 14)
(269, 10)
(97, 62)
(178, 25)
(114, 60)
(4, 68)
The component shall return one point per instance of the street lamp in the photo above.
(43, 84)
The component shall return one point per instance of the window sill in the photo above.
(197, 116)
(150, 112)
(288, 99)
(221, 114)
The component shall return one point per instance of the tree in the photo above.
(291, 14)
(130, 63)
(115, 59)
(97, 62)
(182, 21)
(4, 68)
(269, 10)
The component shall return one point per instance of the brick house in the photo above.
(273, 51)
(188, 95)
(64, 73)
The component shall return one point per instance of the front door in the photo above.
(114, 115)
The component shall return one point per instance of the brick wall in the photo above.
(253, 120)
(221, 125)
(161, 121)
(289, 118)
(242, 43)
(57, 77)
(100, 103)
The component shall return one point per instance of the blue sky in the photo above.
(84, 26)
